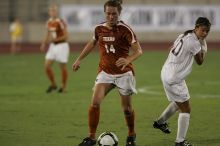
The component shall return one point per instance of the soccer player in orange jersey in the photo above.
(58, 49)
(114, 39)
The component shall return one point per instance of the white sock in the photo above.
(168, 112)
(183, 124)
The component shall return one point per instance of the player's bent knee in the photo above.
(127, 112)
(95, 105)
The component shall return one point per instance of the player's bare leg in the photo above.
(18, 46)
(64, 77)
(129, 118)
(13, 47)
(50, 75)
(183, 123)
(100, 90)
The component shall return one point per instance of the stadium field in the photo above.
(30, 117)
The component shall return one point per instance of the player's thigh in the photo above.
(48, 63)
(99, 92)
(63, 66)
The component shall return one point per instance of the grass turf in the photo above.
(30, 117)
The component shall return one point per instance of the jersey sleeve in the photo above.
(130, 36)
(194, 46)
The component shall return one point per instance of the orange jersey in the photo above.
(56, 27)
(114, 44)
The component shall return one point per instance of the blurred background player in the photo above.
(58, 48)
(16, 32)
(187, 47)
(114, 39)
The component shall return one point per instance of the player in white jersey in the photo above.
(187, 47)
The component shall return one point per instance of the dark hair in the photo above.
(188, 31)
(203, 21)
(114, 3)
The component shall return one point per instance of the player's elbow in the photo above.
(200, 62)
(199, 58)
(140, 52)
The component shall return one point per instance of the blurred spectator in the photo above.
(16, 32)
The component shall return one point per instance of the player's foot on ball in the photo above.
(87, 142)
(163, 127)
(61, 90)
(51, 88)
(184, 143)
(131, 141)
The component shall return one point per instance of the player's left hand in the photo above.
(203, 45)
(76, 65)
(122, 62)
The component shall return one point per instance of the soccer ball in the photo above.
(108, 139)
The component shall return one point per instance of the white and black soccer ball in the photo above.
(108, 139)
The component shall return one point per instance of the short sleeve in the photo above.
(194, 46)
(130, 36)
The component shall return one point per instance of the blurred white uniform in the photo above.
(178, 65)
(58, 51)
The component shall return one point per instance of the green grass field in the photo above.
(30, 117)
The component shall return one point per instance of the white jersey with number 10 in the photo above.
(179, 62)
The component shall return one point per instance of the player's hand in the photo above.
(76, 65)
(203, 45)
(122, 62)
(42, 48)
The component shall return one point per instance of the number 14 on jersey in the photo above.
(109, 48)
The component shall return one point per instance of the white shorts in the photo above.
(177, 92)
(58, 52)
(124, 82)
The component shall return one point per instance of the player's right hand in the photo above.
(42, 48)
(76, 65)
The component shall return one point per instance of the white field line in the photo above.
(151, 90)
(211, 83)
(206, 96)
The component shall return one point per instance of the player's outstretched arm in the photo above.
(87, 49)
(136, 52)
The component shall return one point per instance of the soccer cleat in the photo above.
(61, 90)
(51, 88)
(87, 142)
(131, 141)
(163, 127)
(184, 143)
